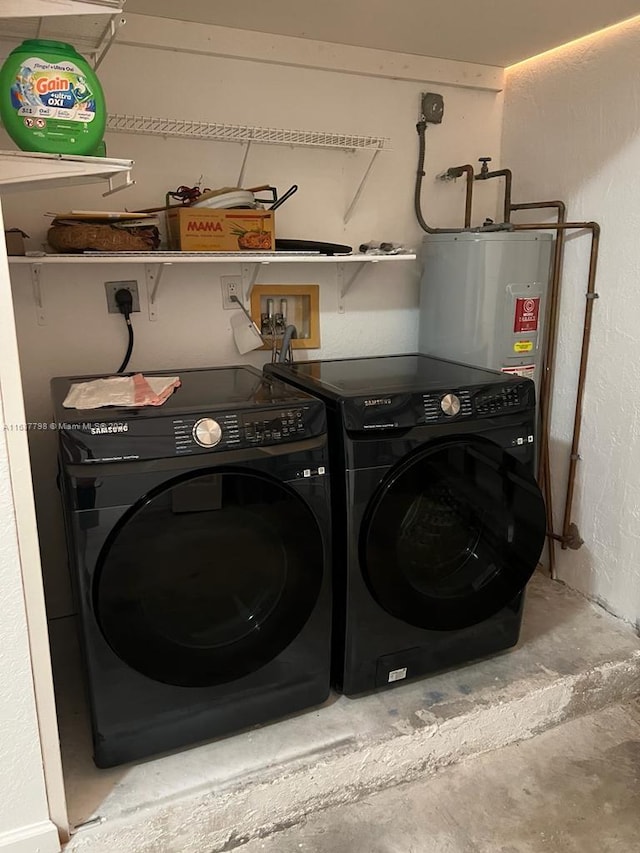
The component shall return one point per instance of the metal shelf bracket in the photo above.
(153, 274)
(361, 186)
(116, 187)
(36, 281)
(250, 273)
(108, 38)
(244, 163)
(345, 284)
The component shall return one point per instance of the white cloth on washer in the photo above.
(129, 391)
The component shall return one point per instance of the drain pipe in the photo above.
(570, 536)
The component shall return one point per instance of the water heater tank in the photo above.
(483, 298)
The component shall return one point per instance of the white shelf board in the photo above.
(207, 258)
(87, 26)
(54, 8)
(23, 170)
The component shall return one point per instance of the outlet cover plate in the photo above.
(231, 286)
(112, 287)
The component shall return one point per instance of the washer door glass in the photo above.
(452, 535)
(209, 577)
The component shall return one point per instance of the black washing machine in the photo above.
(199, 537)
(438, 520)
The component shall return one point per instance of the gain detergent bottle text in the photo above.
(51, 100)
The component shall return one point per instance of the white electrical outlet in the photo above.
(231, 286)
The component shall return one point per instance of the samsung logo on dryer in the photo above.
(378, 401)
(108, 429)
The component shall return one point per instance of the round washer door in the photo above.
(452, 535)
(209, 578)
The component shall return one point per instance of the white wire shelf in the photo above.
(220, 132)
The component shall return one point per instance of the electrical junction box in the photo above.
(432, 107)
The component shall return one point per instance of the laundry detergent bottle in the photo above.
(51, 100)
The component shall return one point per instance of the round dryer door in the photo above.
(209, 578)
(452, 535)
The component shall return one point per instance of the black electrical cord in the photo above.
(421, 128)
(124, 301)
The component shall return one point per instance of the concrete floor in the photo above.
(574, 789)
(573, 659)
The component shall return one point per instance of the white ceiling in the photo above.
(491, 32)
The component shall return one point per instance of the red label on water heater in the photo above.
(527, 311)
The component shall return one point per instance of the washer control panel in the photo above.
(500, 398)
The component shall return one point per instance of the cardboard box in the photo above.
(194, 229)
(14, 238)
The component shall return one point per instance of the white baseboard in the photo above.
(36, 838)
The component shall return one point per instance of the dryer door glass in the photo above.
(452, 535)
(209, 577)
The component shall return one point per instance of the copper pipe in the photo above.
(458, 172)
(507, 174)
(591, 296)
(548, 505)
(547, 380)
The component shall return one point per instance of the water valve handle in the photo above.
(484, 168)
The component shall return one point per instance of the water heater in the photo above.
(483, 298)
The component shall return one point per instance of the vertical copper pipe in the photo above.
(584, 356)
(547, 379)
(507, 174)
(546, 385)
(457, 172)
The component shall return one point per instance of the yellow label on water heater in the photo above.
(523, 346)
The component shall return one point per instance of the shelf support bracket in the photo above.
(244, 163)
(108, 39)
(250, 275)
(115, 188)
(361, 186)
(153, 274)
(36, 281)
(345, 284)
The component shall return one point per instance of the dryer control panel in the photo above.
(403, 411)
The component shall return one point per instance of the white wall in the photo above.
(24, 812)
(571, 131)
(192, 330)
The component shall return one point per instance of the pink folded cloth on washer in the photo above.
(128, 391)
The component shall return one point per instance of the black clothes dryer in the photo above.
(438, 520)
(199, 538)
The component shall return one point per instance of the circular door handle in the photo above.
(450, 405)
(207, 432)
